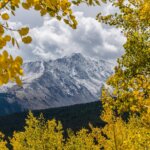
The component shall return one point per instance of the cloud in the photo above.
(54, 39)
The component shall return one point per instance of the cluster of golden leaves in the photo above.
(130, 95)
(61, 9)
(131, 81)
(48, 135)
(133, 14)
(3, 142)
(121, 135)
(10, 68)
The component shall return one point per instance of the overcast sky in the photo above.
(53, 39)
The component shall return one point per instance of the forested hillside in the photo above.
(73, 117)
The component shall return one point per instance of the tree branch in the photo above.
(4, 5)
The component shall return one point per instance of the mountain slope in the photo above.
(66, 81)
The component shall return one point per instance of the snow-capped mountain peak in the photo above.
(65, 81)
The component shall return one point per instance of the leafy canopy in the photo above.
(131, 81)
(48, 135)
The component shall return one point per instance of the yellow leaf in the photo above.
(5, 16)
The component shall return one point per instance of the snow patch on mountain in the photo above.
(65, 81)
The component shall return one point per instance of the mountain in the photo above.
(65, 81)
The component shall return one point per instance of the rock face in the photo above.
(66, 81)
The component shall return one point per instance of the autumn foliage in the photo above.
(126, 109)
(48, 135)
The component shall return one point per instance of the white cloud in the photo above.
(54, 39)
